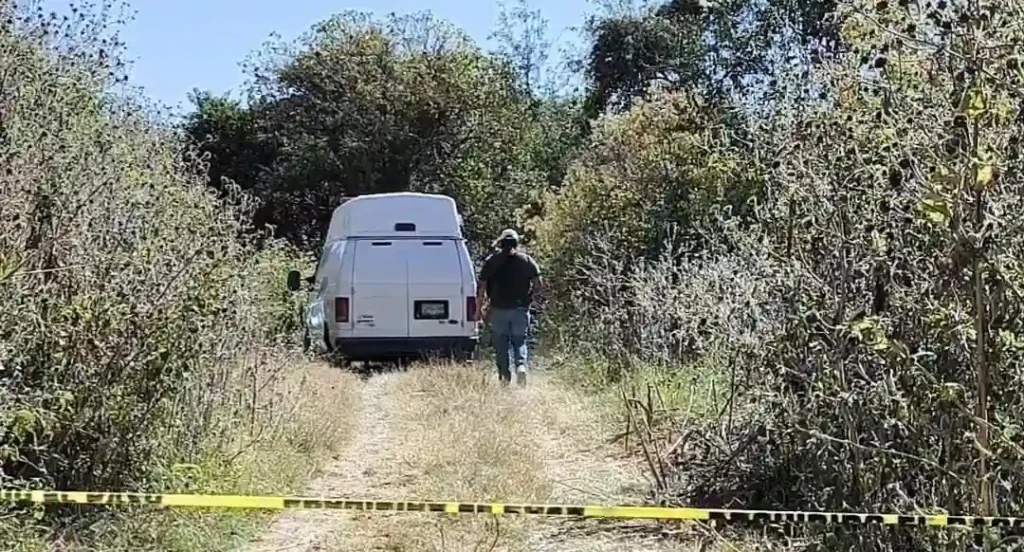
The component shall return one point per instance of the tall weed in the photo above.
(135, 324)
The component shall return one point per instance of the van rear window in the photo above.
(405, 227)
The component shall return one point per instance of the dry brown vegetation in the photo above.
(845, 258)
(782, 236)
(143, 343)
(444, 432)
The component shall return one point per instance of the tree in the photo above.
(235, 144)
(895, 327)
(661, 163)
(728, 49)
(522, 37)
(360, 106)
(878, 269)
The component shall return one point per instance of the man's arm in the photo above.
(481, 286)
(481, 297)
(536, 281)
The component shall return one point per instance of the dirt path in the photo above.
(585, 469)
(451, 433)
(354, 473)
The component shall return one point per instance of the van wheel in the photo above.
(327, 341)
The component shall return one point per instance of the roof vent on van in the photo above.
(405, 227)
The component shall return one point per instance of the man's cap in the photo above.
(507, 234)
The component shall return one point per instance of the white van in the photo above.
(394, 281)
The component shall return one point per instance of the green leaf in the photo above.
(9, 264)
(870, 331)
(24, 424)
(863, 325)
(951, 391)
(935, 208)
(984, 176)
(975, 103)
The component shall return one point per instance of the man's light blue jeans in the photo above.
(508, 334)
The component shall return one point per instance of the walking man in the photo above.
(509, 279)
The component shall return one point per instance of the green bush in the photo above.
(866, 307)
(648, 177)
(126, 296)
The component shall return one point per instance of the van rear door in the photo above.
(436, 289)
(380, 300)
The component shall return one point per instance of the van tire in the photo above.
(327, 341)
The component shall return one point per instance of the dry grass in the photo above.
(302, 415)
(575, 433)
(593, 457)
(445, 432)
(302, 418)
(472, 439)
(459, 436)
(364, 469)
(307, 417)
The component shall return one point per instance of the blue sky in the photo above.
(178, 45)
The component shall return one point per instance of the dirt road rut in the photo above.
(451, 433)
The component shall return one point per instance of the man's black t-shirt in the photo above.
(507, 277)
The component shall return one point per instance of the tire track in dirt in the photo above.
(357, 472)
(462, 438)
(584, 469)
(450, 433)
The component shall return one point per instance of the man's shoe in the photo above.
(521, 375)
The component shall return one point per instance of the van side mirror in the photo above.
(294, 280)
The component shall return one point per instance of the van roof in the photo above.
(396, 214)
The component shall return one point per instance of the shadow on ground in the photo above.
(368, 369)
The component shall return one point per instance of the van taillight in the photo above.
(471, 309)
(341, 309)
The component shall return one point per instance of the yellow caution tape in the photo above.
(616, 512)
